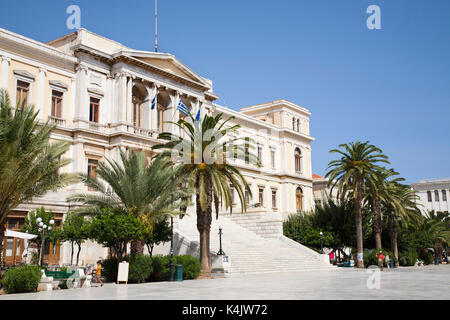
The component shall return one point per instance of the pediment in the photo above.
(169, 63)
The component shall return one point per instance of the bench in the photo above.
(74, 275)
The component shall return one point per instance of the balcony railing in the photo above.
(141, 131)
(58, 121)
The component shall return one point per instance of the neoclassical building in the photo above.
(99, 94)
(433, 194)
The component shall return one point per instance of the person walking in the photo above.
(98, 273)
(380, 259)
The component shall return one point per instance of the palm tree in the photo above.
(381, 196)
(354, 173)
(29, 163)
(133, 187)
(201, 153)
(433, 230)
(401, 209)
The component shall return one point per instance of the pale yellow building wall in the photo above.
(18, 65)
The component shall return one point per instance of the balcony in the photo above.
(58, 121)
(141, 131)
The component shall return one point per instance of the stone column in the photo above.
(5, 67)
(82, 103)
(129, 104)
(122, 97)
(41, 92)
(172, 113)
(73, 89)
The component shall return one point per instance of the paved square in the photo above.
(430, 282)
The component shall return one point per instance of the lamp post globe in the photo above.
(40, 224)
(52, 222)
(39, 220)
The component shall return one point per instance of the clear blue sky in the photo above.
(389, 86)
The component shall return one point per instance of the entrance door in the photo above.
(13, 247)
(51, 253)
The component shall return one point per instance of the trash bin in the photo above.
(391, 264)
(436, 261)
(178, 272)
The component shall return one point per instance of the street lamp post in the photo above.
(321, 246)
(220, 253)
(42, 228)
(171, 249)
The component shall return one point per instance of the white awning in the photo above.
(21, 235)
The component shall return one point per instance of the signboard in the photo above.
(122, 274)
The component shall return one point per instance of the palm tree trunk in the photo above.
(2, 234)
(137, 247)
(438, 250)
(393, 234)
(78, 253)
(377, 225)
(358, 223)
(71, 255)
(204, 219)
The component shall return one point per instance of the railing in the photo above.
(58, 121)
(141, 131)
(95, 126)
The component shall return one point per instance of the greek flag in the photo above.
(154, 102)
(197, 118)
(183, 109)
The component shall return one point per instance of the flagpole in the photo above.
(156, 25)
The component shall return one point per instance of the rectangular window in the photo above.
(259, 154)
(272, 158)
(436, 195)
(274, 199)
(429, 196)
(23, 88)
(247, 197)
(444, 195)
(92, 169)
(261, 197)
(57, 98)
(94, 110)
(232, 193)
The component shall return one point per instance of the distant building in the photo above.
(433, 194)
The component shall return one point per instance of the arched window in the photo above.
(436, 195)
(429, 196)
(299, 199)
(298, 160)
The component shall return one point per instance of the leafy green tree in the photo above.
(134, 188)
(115, 231)
(201, 153)
(28, 161)
(354, 173)
(75, 230)
(160, 233)
(32, 227)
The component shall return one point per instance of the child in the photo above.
(380, 260)
(98, 273)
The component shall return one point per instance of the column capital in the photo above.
(42, 70)
(6, 58)
(82, 67)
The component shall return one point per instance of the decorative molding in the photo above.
(58, 84)
(24, 74)
(96, 91)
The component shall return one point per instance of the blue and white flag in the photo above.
(154, 102)
(197, 118)
(183, 109)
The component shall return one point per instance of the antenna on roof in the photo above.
(156, 25)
